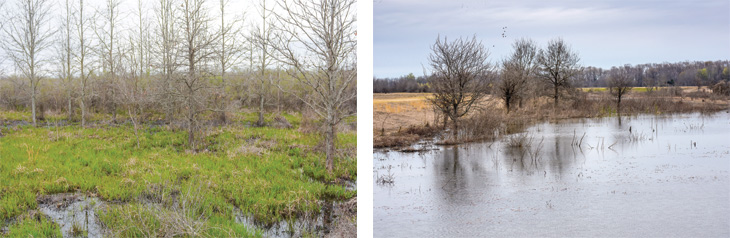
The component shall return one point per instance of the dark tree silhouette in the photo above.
(558, 65)
(459, 69)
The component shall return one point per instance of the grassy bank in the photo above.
(268, 173)
(412, 121)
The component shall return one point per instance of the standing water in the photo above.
(642, 176)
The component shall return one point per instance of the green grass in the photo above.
(594, 89)
(639, 89)
(51, 117)
(15, 115)
(36, 226)
(268, 173)
(600, 89)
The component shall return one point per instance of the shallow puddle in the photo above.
(68, 210)
(644, 176)
(317, 224)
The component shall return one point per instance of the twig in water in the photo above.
(614, 143)
(581, 139)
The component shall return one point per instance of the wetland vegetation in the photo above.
(177, 119)
(271, 174)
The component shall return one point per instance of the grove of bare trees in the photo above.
(183, 63)
(27, 35)
(697, 73)
(407, 83)
(651, 76)
(461, 77)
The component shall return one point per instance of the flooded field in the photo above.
(657, 176)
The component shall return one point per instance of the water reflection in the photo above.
(570, 178)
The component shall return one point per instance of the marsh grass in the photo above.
(77, 230)
(286, 179)
(33, 225)
(519, 141)
(386, 179)
(491, 120)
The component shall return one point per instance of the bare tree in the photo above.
(81, 57)
(65, 51)
(318, 43)
(27, 35)
(197, 48)
(167, 53)
(107, 33)
(2, 26)
(261, 38)
(558, 64)
(517, 70)
(459, 77)
(652, 76)
(228, 55)
(141, 45)
(136, 56)
(619, 82)
(128, 85)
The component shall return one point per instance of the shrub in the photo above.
(721, 88)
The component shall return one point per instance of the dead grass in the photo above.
(167, 213)
(402, 119)
(345, 223)
(399, 110)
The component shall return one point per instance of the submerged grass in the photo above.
(285, 179)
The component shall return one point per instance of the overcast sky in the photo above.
(605, 33)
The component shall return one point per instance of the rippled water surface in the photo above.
(662, 176)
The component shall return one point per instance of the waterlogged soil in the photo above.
(69, 210)
(646, 176)
(335, 219)
(314, 224)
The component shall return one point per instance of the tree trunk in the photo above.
(70, 109)
(260, 122)
(114, 109)
(506, 102)
(330, 147)
(83, 109)
(556, 95)
(455, 128)
(191, 130)
(32, 101)
(446, 119)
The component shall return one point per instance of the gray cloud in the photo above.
(606, 33)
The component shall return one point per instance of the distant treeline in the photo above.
(697, 73)
(408, 83)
